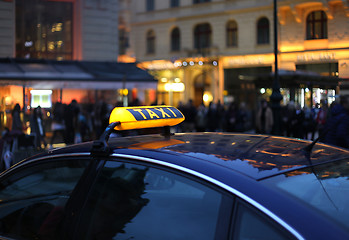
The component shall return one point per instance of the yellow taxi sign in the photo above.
(145, 117)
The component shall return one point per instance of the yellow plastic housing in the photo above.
(145, 117)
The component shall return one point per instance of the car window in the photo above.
(324, 187)
(136, 202)
(33, 198)
(250, 224)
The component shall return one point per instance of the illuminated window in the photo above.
(150, 42)
(317, 25)
(263, 31)
(202, 36)
(175, 40)
(44, 30)
(232, 34)
(41, 98)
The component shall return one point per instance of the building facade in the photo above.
(73, 32)
(59, 30)
(221, 50)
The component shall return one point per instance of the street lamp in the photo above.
(276, 96)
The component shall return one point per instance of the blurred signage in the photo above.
(246, 61)
(160, 65)
(322, 56)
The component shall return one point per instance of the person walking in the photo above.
(309, 124)
(230, 117)
(321, 117)
(37, 127)
(221, 117)
(212, 117)
(336, 130)
(264, 119)
(190, 117)
(201, 118)
(70, 116)
(17, 125)
(243, 120)
(100, 117)
(57, 125)
(297, 123)
(288, 115)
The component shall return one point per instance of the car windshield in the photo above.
(325, 187)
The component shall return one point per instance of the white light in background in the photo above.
(28, 44)
(302, 98)
(8, 100)
(41, 98)
(318, 95)
(175, 87)
(41, 92)
(207, 97)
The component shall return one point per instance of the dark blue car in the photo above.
(178, 186)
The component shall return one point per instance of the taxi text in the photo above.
(155, 113)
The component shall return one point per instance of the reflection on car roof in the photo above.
(257, 156)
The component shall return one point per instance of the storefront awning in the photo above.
(297, 79)
(47, 74)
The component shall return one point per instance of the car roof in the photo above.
(233, 162)
(257, 156)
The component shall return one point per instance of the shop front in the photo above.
(307, 89)
(171, 86)
(307, 78)
(33, 83)
(241, 84)
(179, 81)
(315, 75)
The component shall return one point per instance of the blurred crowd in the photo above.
(215, 118)
(329, 123)
(75, 123)
(295, 121)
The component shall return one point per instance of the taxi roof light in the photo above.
(145, 117)
(127, 118)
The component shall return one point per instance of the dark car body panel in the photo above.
(257, 156)
(234, 161)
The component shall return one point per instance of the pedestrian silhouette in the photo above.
(37, 127)
(336, 131)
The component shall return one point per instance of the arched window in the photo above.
(175, 39)
(317, 25)
(202, 36)
(150, 42)
(232, 34)
(263, 31)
